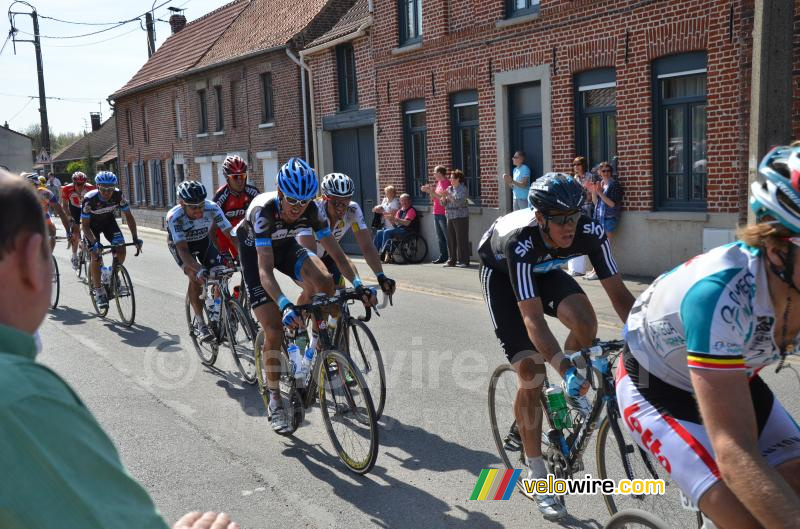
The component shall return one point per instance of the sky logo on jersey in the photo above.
(494, 484)
(524, 247)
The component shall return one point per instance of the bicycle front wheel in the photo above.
(348, 411)
(619, 457)
(363, 350)
(122, 289)
(55, 289)
(241, 338)
(635, 519)
(207, 351)
(502, 392)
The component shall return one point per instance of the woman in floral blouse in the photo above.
(457, 212)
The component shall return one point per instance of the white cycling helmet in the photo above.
(337, 185)
(776, 193)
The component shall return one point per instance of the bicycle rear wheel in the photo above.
(348, 412)
(362, 347)
(240, 341)
(635, 519)
(122, 289)
(619, 457)
(55, 288)
(207, 351)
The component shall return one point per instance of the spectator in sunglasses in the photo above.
(607, 196)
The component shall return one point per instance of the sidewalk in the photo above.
(463, 283)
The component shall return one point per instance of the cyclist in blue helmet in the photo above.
(267, 241)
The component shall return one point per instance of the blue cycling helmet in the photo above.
(297, 180)
(105, 178)
(776, 192)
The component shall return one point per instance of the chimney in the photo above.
(177, 22)
(95, 117)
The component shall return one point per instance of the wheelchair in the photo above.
(408, 248)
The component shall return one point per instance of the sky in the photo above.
(82, 71)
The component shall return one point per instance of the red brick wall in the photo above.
(462, 48)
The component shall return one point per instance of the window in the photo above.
(346, 66)
(234, 95)
(129, 125)
(416, 148)
(139, 189)
(267, 107)
(171, 183)
(409, 21)
(517, 8)
(679, 95)
(202, 99)
(156, 183)
(596, 116)
(178, 119)
(220, 115)
(464, 120)
(144, 125)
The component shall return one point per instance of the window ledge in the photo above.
(680, 216)
(408, 48)
(203, 135)
(219, 133)
(513, 21)
(266, 125)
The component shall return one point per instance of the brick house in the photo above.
(660, 88)
(226, 83)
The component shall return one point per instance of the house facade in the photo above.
(661, 89)
(16, 150)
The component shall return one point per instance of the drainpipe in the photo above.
(303, 67)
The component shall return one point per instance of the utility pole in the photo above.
(39, 70)
(151, 36)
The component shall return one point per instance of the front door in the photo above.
(525, 117)
(354, 155)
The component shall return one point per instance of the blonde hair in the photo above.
(387, 189)
(405, 196)
(765, 234)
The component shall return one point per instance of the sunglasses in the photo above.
(604, 170)
(242, 176)
(569, 218)
(338, 203)
(105, 189)
(294, 203)
(196, 206)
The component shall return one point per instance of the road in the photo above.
(197, 438)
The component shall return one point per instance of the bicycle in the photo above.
(55, 288)
(119, 286)
(635, 518)
(348, 404)
(617, 455)
(232, 326)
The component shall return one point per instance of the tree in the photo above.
(57, 141)
(76, 165)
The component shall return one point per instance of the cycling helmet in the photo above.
(105, 178)
(554, 193)
(42, 180)
(33, 178)
(78, 177)
(192, 192)
(776, 192)
(337, 185)
(296, 179)
(234, 165)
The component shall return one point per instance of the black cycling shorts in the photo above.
(498, 293)
(75, 213)
(289, 259)
(110, 230)
(206, 253)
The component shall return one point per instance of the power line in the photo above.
(101, 23)
(73, 99)
(6, 42)
(21, 109)
(90, 43)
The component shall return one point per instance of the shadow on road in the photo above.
(142, 336)
(70, 316)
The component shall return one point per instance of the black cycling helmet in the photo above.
(192, 192)
(556, 193)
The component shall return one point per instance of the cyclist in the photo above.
(233, 199)
(267, 241)
(97, 216)
(521, 257)
(689, 387)
(72, 196)
(189, 226)
(342, 214)
(48, 200)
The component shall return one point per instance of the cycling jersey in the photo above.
(46, 199)
(514, 246)
(98, 210)
(234, 207)
(75, 198)
(353, 218)
(264, 225)
(182, 228)
(712, 312)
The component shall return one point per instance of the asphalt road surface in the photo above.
(198, 439)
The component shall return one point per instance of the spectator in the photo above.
(53, 449)
(577, 265)
(457, 210)
(388, 206)
(53, 184)
(607, 195)
(400, 226)
(520, 181)
(439, 215)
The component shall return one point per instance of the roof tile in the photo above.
(349, 23)
(97, 143)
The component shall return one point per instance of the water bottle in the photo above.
(105, 275)
(307, 358)
(295, 358)
(210, 305)
(558, 407)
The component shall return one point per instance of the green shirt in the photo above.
(58, 468)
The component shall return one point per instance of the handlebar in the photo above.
(103, 247)
(599, 350)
